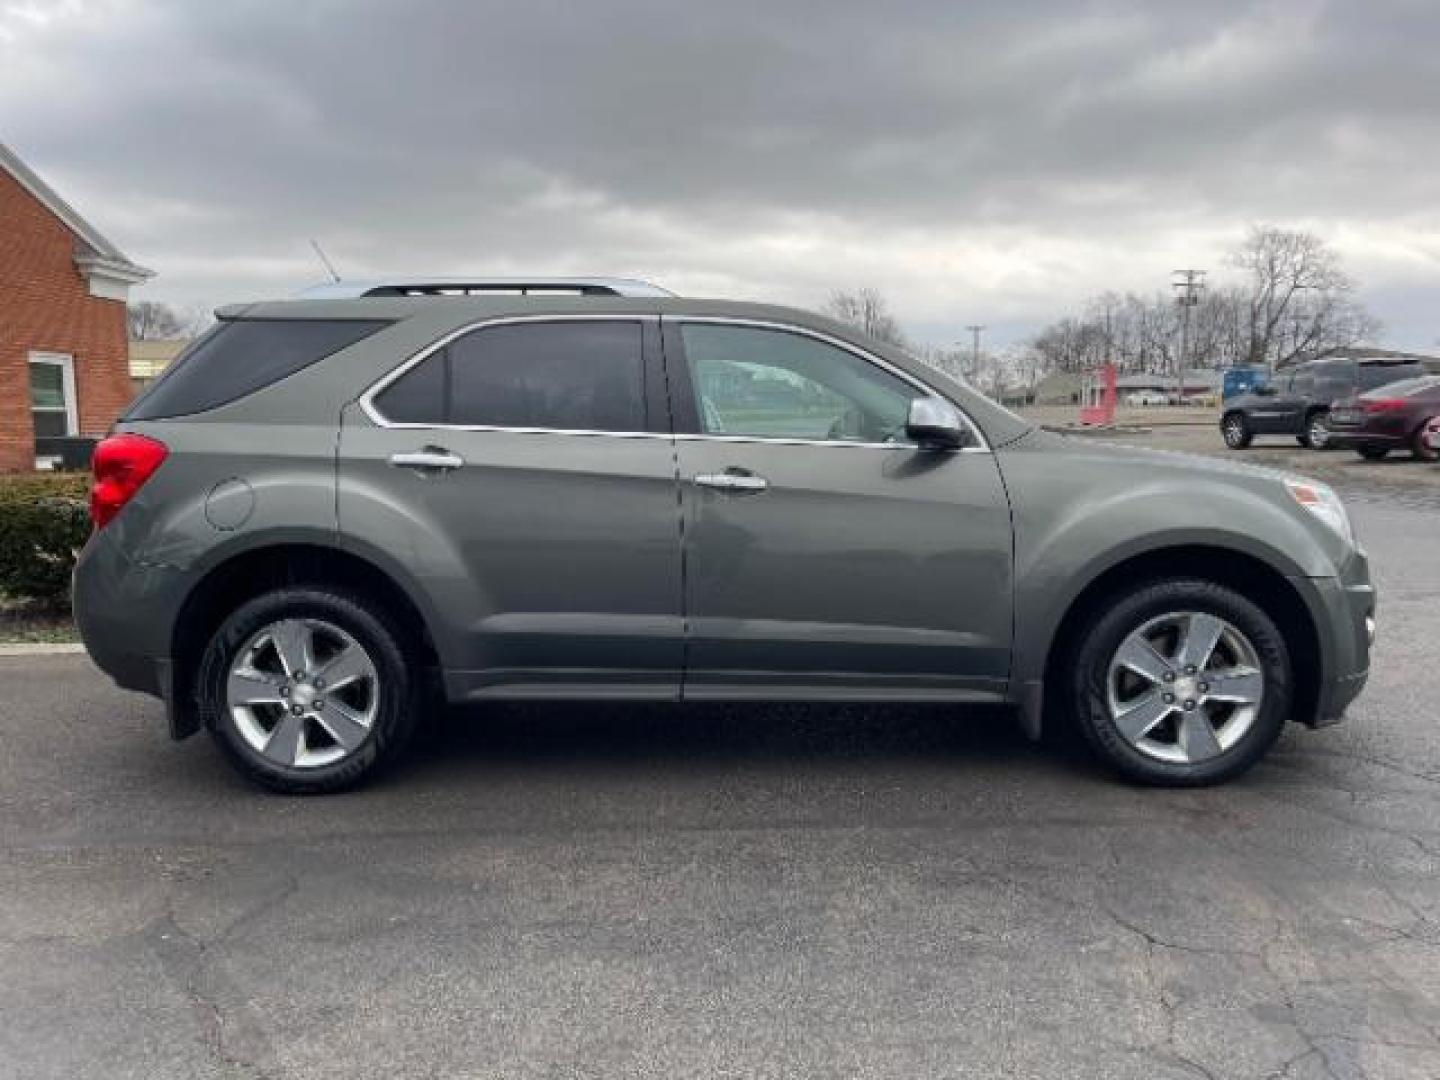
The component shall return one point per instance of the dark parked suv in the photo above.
(333, 508)
(1297, 402)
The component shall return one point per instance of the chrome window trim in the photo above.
(366, 400)
(982, 445)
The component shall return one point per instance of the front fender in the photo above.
(1080, 515)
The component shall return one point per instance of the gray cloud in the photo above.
(990, 161)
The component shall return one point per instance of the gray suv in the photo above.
(335, 509)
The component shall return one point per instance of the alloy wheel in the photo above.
(1319, 434)
(1234, 432)
(1185, 687)
(303, 693)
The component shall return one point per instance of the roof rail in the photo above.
(435, 285)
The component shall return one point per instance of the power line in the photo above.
(975, 353)
(1188, 285)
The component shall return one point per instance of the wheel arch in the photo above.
(1260, 581)
(246, 573)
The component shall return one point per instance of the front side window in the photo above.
(52, 396)
(779, 384)
(571, 375)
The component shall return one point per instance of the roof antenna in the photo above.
(329, 266)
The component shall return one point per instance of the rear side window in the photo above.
(575, 375)
(1375, 375)
(1405, 387)
(242, 356)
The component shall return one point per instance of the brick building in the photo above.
(64, 363)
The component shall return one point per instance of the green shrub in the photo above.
(44, 520)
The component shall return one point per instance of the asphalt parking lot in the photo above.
(619, 891)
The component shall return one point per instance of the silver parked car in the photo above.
(332, 507)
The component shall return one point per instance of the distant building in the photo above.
(64, 363)
(1198, 383)
(1059, 388)
(148, 359)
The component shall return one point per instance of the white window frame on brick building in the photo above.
(69, 405)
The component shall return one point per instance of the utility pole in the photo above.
(1188, 284)
(975, 352)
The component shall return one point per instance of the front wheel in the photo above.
(1181, 683)
(308, 690)
(1420, 443)
(1236, 431)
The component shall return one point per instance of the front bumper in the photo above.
(1343, 611)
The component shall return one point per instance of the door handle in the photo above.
(732, 481)
(430, 459)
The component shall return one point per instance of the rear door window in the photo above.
(241, 356)
(570, 375)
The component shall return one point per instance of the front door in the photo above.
(524, 474)
(825, 555)
(1280, 413)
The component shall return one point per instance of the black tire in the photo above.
(1235, 431)
(398, 705)
(1418, 446)
(1316, 435)
(1372, 453)
(1116, 620)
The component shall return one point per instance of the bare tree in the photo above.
(1294, 302)
(1299, 301)
(868, 310)
(150, 320)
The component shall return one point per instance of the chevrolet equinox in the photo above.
(334, 508)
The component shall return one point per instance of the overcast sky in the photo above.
(990, 161)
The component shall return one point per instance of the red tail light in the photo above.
(1385, 405)
(121, 464)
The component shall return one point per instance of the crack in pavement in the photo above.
(219, 1005)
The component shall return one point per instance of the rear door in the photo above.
(523, 472)
(826, 556)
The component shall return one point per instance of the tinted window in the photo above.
(1303, 383)
(752, 381)
(573, 375)
(239, 357)
(1373, 375)
(1406, 387)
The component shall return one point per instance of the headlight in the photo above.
(1323, 503)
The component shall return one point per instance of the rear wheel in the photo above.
(1419, 444)
(1236, 431)
(1372, 453)
(308, 690)
(1181, 683)
(1317, 430)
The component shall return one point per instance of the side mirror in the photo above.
(936, 425)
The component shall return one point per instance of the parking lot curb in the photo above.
(42, 648)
